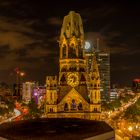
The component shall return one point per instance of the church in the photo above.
(75, 91)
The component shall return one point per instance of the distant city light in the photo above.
(35, 94)
(130, 128)
(22, 74)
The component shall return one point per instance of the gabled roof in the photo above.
(81, 89)
(63, 90)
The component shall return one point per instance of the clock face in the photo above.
(72, 79)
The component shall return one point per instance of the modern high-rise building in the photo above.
(103, 59)
(27, 91)
(39, 93)
(76, 91)
(113, 94)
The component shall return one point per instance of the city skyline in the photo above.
(30, 32)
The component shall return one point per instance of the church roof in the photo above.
(63, 90)
(81, 89)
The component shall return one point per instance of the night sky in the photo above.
(30, 29)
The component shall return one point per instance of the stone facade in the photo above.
(75, 93)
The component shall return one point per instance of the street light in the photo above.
(22, 74)
(130, 128)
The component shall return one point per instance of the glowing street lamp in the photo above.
(130, 128)
(22, 74)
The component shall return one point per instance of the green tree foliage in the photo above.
(133, 112)
(126, 98)
(3, 111)
(112, 105)
(34, 111)
(138, 102)
(7, 107)
(11, 104)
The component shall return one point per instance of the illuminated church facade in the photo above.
(75, 92)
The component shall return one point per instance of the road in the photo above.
(108, 117)
(17, 114)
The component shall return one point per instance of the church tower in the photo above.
(72, 62)
(51, 94)
(94, 88)
(76, 93)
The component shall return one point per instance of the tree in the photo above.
(133, 112)
(11, 104)
(3, 111)
(34, 112)
(112, 105)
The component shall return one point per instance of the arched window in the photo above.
(80, 106)
(82, 70)
(51, 110)
(66, 107)
(63, 79)
(95, 95)
(95, 110)
(72, 52)
(83, 78)
(67, 27)
(63, 69)
(73, 105)
(51, 95)
(73, 69)
(64, 51)
(91, 96)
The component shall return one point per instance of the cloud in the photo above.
(4, 49)
(98, 12)
(121, 48)
(15, 40)
(106, 43)
(53, 39)
(55, 21)
(133, 52)
(102, 40)
(8, 61)
(39, 52)
(4, 3)
(11, 24)
(18, 34)
(21, 45)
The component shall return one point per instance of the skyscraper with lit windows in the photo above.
(103, 60)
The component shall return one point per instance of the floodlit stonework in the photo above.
(75, 93)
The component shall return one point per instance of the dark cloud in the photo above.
(12, 24)
(4, 49)
(14, 39)
(55, 21)
(29, 34)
